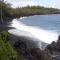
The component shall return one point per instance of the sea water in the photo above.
(45, 28)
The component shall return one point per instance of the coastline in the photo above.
(5, 25)
(6, 21)
(16, 40)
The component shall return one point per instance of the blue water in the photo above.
(47, 22)
(41, 28)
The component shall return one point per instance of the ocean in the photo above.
(42, 28)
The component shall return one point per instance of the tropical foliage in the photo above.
(8, 11)
(6, 51)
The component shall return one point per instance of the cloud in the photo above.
(21, 3)
(46, 3)
(57, 3)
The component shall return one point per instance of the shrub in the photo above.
(6, 51)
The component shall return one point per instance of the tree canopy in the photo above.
(8, 11)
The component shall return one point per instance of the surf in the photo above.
(33, 32)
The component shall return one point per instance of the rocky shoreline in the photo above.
(51, 52)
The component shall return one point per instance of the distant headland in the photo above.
(9, 12)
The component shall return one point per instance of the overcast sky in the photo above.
(46, 3)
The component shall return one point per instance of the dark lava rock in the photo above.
(26, 51)
(54, 49)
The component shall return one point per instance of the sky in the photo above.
(45, 3)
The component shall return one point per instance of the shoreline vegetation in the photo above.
(9, 12)
(14, 48)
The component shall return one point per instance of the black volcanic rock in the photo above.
(25, 51)
(58, 42)
(54, 45)
(54, 49)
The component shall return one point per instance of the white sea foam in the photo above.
(31, 31)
